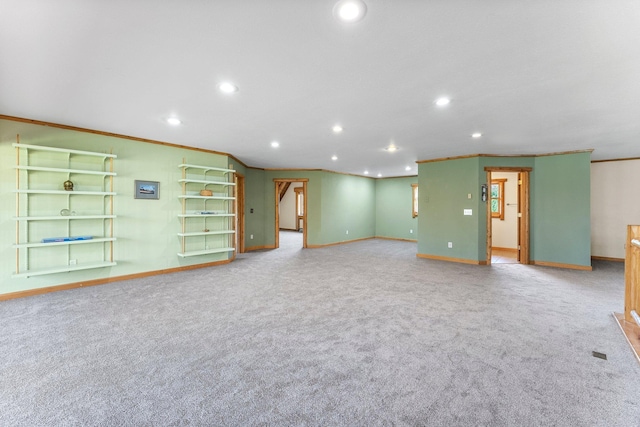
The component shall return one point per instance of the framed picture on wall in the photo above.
(147, 190)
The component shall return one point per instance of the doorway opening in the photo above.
(507, 215)
(291, 211)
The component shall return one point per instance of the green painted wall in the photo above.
(254, 200)
(348, 204)
(335, 203)
(444, 188)
(559, 207)
(146, 230)
(561, 219)
(394, 217)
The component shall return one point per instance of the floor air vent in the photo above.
(599, 355)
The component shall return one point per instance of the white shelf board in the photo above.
(63, 150)
(204, 181)
(187, 196)
(64, 269)
(206, 233)
(203, 215)
(76, 171)
(205, 252)
(72, 242)
(61, 217)
(205, 168)
(82, 193)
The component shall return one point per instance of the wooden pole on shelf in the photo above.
(17, 205)
(111, 208)
(232, 239)
(184, 204)
(68, 197)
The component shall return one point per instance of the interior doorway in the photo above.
(503, 197)
(507, 215)
(296, 188)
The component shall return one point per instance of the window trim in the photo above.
(500, 182)
(414, 200)
(299, 203)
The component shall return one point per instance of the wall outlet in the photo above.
(450, 245)
(411, 231)
(347, 231)
(469, 196)
(73, 262)
(251, 236)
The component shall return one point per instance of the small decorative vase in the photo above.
(68, 185)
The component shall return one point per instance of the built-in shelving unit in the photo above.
(61, 229)
(207, 221)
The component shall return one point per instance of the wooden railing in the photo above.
(632, 275)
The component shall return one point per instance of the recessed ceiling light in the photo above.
(476, 135)
(337, 129)
(408, 168)
(366, 172)
(379, 175)
(174, 121)
(441, 102)
(275, 144)
(391, 148)
(334, 158)
(227, 87)
(350, 10)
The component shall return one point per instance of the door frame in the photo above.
(276, 184)
(299, 218)
(523, 211)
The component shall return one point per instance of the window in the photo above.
(497, 198)
(414, 200)
(299, 201)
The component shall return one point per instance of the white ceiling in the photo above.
(532, 76)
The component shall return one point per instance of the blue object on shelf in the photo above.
(65, 239)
